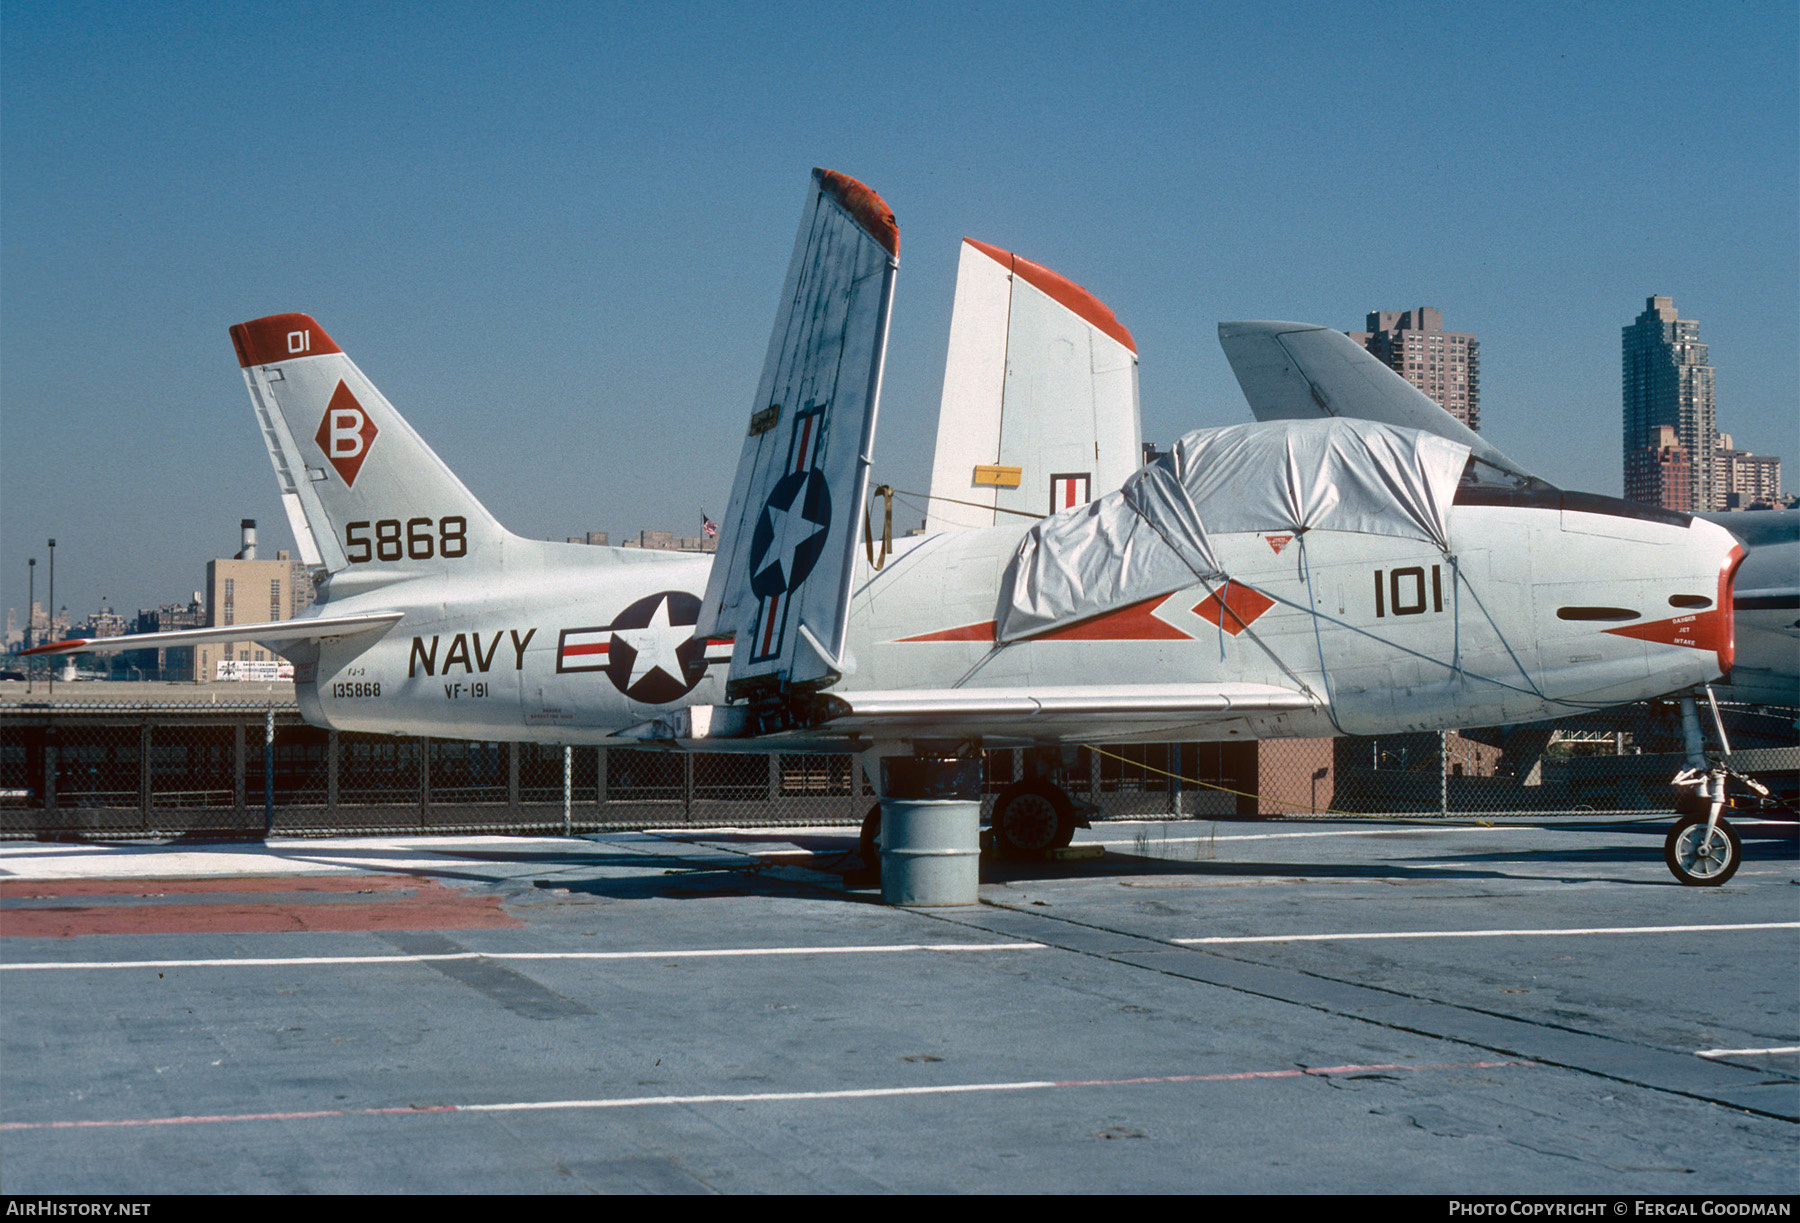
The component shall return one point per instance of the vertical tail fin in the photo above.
(781, 581)
(1040, 406)
(361, 489)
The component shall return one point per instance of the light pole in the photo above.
(30, 621)
(53, 613)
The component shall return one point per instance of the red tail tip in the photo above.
(1061, 289)
(868, 209)
(280, 337)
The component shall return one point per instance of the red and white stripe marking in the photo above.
(584, 649)
(806, 432)
(1070, 489)
(332, 961)
(765, 637)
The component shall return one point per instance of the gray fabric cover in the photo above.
(1151, 537)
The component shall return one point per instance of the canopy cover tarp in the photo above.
(1152, 537)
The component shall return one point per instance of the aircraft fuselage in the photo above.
(1536, 612)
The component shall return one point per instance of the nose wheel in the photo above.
(1701, 856)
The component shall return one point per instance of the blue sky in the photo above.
(554, 234)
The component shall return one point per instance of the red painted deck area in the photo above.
(260, 905)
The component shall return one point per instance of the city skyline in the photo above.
(555, 239)
(1675, 454)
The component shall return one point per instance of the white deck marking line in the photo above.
(1392, 934)
(1746, 1052)
(684, 954)
(762, 1097)
(1284, 836)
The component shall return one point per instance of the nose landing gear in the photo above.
(1703, 849)
(1702, 852)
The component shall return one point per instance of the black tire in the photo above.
(1032, 817)
(1698, 861)
(869, 843)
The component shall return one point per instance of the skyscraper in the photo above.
(1446, 365)
(1668, 381)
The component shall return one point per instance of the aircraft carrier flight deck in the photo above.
(1229, 1006)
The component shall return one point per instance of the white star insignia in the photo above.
(784, 546)
(656, 645)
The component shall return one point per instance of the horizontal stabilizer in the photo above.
(306, 628)
(1300, 371)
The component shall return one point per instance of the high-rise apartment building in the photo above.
(1742, 479)
(1668, 381)
(1446, 365)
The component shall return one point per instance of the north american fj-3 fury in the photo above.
(1315, 575)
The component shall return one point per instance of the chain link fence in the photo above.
(217, 771)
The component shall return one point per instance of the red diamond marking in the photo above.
(1242, 606)
(345, 434)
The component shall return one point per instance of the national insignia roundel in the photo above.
(783, 553)
(653, 656)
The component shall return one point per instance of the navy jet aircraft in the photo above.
(1297, 371)
(1281, 578)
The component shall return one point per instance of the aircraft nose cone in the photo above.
(1711, 626)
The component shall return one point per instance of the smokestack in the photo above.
(248, 526)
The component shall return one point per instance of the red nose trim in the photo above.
(1713, 629)
(1727, 597)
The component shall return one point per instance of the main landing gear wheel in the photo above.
(869, 844)
(1698, 858)
(1031, 817)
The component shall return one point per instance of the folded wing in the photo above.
(781, 582)
(1299, 371)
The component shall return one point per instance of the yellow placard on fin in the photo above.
(763, 421)
(993, 475)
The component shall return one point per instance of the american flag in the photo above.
(708, 527)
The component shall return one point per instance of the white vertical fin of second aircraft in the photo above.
(1040, 403)
(781, 580)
